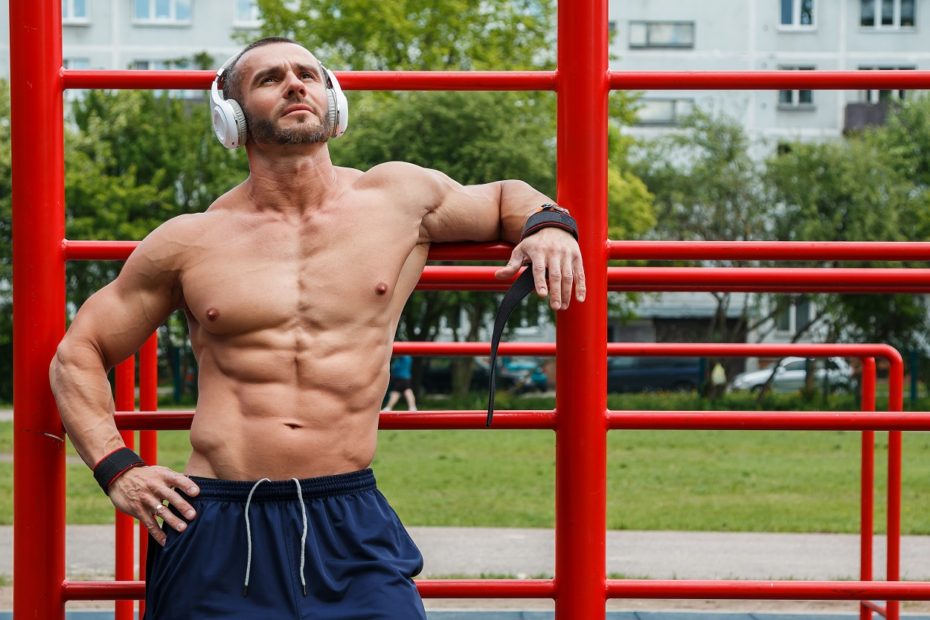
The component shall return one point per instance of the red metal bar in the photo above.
(125, 556)
(354, 80)
(38, 305)
(893, 529)
(767, 80)
(627, 419)
(581, 440)
(148, 440)
(622, 250)
(867, 485)
(531, 80)
(768, 250)
(769, 590)
(879, 609)
(429, 588)
(633, 588)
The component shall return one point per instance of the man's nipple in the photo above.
(382, 288)
(213, 314)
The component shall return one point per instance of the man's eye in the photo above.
(308, 76)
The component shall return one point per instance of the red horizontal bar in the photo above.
(655, 349)
(768, 420)
(767, 250)
(770, 590)
(634, 588)
(421, 420)
(640, 420)
(745, 279)
(120, 250)
(530, 80)
(767, 80)
(618, 250)
(429, 588)
(350, 80)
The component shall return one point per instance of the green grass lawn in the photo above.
(657, 480)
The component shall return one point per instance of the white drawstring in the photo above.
(303, 537)
(248, 535)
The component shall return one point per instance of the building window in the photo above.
(248, 14)
(661, 35)
(889, 14)
(883, 96)
(163, 11)
(74, 11)
(663, 111)
(797, 13)
(796, 99)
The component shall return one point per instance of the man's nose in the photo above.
(295, 85)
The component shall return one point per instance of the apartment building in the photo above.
(734, 35)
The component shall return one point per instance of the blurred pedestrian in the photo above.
(401, 376)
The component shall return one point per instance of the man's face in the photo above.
(284, 95)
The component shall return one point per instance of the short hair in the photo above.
(232, 77)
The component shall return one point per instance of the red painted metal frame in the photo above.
(582, 83)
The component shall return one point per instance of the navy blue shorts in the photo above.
(358, 560)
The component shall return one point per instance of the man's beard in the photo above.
(265, 131)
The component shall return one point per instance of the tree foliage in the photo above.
(872, 186)
(418, 34)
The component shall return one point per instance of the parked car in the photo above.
(519, 374)
(646, 374)
(791, 374)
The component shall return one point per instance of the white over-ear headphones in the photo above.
(229, 120)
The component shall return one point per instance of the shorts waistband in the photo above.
(273, 490)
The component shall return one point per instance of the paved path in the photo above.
(521, 553)
(530, 553)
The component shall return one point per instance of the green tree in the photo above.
(872, 186)
(6, 249)
(418, 34)
(707, 188)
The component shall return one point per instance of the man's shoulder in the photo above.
(392, 172)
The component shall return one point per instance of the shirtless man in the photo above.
(293, 283)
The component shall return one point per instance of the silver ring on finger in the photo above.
(158, 509)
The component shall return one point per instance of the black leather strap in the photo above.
(521, 287)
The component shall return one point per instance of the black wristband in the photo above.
(550, 219)
(114, 465)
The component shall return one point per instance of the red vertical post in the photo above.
(148, 440)
(867, 486)
(581, 393)
(38, 307)
(895, 403)
(125, 557)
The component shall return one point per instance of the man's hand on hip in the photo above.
(554, 251)
(141, 491)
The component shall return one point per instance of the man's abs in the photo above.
(261, 414)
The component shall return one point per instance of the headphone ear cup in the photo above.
(337, 114)
(229, 123)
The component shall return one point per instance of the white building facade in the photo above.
(764, 35)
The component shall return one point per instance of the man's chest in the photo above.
(286, 277)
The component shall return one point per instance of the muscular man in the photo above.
(293, 283)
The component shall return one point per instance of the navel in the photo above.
(382, 288)
(213, 314)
